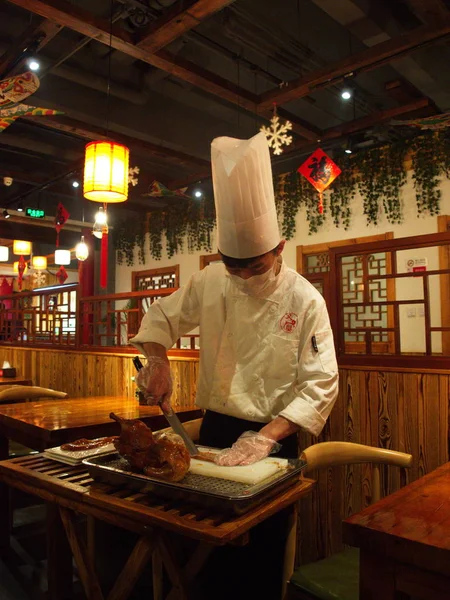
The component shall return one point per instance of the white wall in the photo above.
(412, 225)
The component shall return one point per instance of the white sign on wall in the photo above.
(415, 265)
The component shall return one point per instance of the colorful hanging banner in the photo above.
(61, 218)
(159, 190)
(320, 171)
(434, 123)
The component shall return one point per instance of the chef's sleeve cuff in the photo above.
(303, 414)
(156, 338)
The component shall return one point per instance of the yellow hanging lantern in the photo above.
(39, 263)
(21, 247)
(106, 172)
(16, 267)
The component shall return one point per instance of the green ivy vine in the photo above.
(342, 193)
(379, 175)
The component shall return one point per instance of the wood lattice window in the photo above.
(156, 279)
(313, 262)
(391, 298)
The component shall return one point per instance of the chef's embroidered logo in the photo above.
(289, 322)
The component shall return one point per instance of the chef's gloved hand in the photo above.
(247, 449)
(155, 382)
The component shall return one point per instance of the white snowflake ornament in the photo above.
(132, 175)
(39, 279)
(276, 134)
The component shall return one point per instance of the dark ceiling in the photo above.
(182, 73)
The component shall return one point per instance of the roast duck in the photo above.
(162, 455)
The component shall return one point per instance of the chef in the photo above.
(267, 361)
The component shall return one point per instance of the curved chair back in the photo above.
(331, 454)
(21, 393)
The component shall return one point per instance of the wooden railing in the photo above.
(57, 317)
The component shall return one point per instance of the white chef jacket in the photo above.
(259, 357)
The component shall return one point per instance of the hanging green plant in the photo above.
(370, 185)
(288, 200)
(155, 230)
(342, 192)
(126, 235)
(393, 178)
(429, 163)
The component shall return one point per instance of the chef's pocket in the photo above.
(325, 350)
(283, 359)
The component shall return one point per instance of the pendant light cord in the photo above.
(108, 87)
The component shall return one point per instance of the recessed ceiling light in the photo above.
(346, 94)
(20, 206)
(75, 184)
(198, 193)
(34, 65)
(348, 151)
(6, 214)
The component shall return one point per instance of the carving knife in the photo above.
(172, 419)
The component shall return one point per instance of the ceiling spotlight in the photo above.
(20, 206)
(348, 151)
(198, 193)
(346, 94)
(34, 65)
(6, 214)
(75, 184)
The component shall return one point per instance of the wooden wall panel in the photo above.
(94, 374)
(403, 411)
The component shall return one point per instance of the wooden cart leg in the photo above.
(80, 554)
(59, 569)
(132, 570)
(193, 566)
(173, 569)
(157, 575)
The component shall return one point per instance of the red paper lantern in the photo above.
(320, 171)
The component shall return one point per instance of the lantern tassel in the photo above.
(320, 203)
(104, 261)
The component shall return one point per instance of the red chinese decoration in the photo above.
(61, 218)
(320, 171)
(61, 274)
(21, 269)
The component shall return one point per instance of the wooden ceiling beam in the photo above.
(363, 61)
(341, 131)
(34, 37)
(84, 22)
(87, 24)
(92, 132)
(430, 12)
(178, 19)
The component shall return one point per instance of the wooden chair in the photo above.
(21, 393)
(336, 577)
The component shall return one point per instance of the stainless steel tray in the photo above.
(207, 492)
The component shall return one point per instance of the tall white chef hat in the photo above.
(243, 191)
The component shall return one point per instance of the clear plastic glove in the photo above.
(155, 382)
(249, 448)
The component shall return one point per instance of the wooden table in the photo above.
(14, 381)
(72, 491)
(49, 423)
(405, 541)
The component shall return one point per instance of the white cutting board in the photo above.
(250, 474)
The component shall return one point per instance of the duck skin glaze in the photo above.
(162, 455)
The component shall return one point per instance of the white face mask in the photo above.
(258, 285)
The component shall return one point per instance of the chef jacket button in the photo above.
(230, 335)
(251, 413)
(273, 309)
(255, 377)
